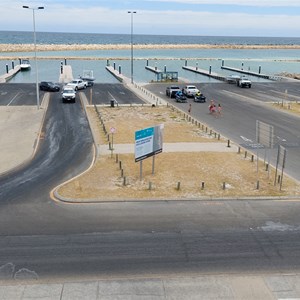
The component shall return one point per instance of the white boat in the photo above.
(25, 64)
(88, 75)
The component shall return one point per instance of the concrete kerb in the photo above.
(203, 199)
(44, 105)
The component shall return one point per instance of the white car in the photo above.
(68, 94)
(244, 82)
(190, 90)
(78, 84)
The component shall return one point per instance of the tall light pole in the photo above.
(34, 40)
(132, 12)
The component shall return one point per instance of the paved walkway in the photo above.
(231, 287)
(20, 128)
(174, 147)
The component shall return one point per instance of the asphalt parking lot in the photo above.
(17, 94)
(105, 93)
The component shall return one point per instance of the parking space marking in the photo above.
(113, 98)
(13, 99)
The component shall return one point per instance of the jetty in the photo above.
(66, 74)
(9, 73)
(248, 72)
(208, 73)
(153, 69)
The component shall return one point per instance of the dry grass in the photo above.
(292, 107)
(127, 120)
(104, 181)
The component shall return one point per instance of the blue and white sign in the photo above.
(148, 142)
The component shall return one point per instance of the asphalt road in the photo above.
(161, 239)
(105, 93)
(50, 240)
(241, 108)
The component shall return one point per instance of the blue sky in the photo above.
(176, 17)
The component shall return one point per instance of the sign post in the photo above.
(265, 137)
(148, 142)
(112, 131)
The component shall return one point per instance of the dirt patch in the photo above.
(177, 175)
(288, 106)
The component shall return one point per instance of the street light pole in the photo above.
(35, 58)
(132, 12)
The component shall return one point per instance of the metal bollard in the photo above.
(228, 143)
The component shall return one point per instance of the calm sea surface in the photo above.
(271, 61)
(23, 37)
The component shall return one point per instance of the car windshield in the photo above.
(191, 87)
(68, 91)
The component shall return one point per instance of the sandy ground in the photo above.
(74, 47)
(288, 106)
(199, 174)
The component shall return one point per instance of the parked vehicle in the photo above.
(49, 86)
(180, 97)
(199, 98)
(244, 82)
(78, 84)
(172, 90)
(68, 94)
(190, 91)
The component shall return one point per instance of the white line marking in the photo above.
(13, 99)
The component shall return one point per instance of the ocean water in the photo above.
(272, 61)
(26, 37)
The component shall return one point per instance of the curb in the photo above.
(156, 200)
